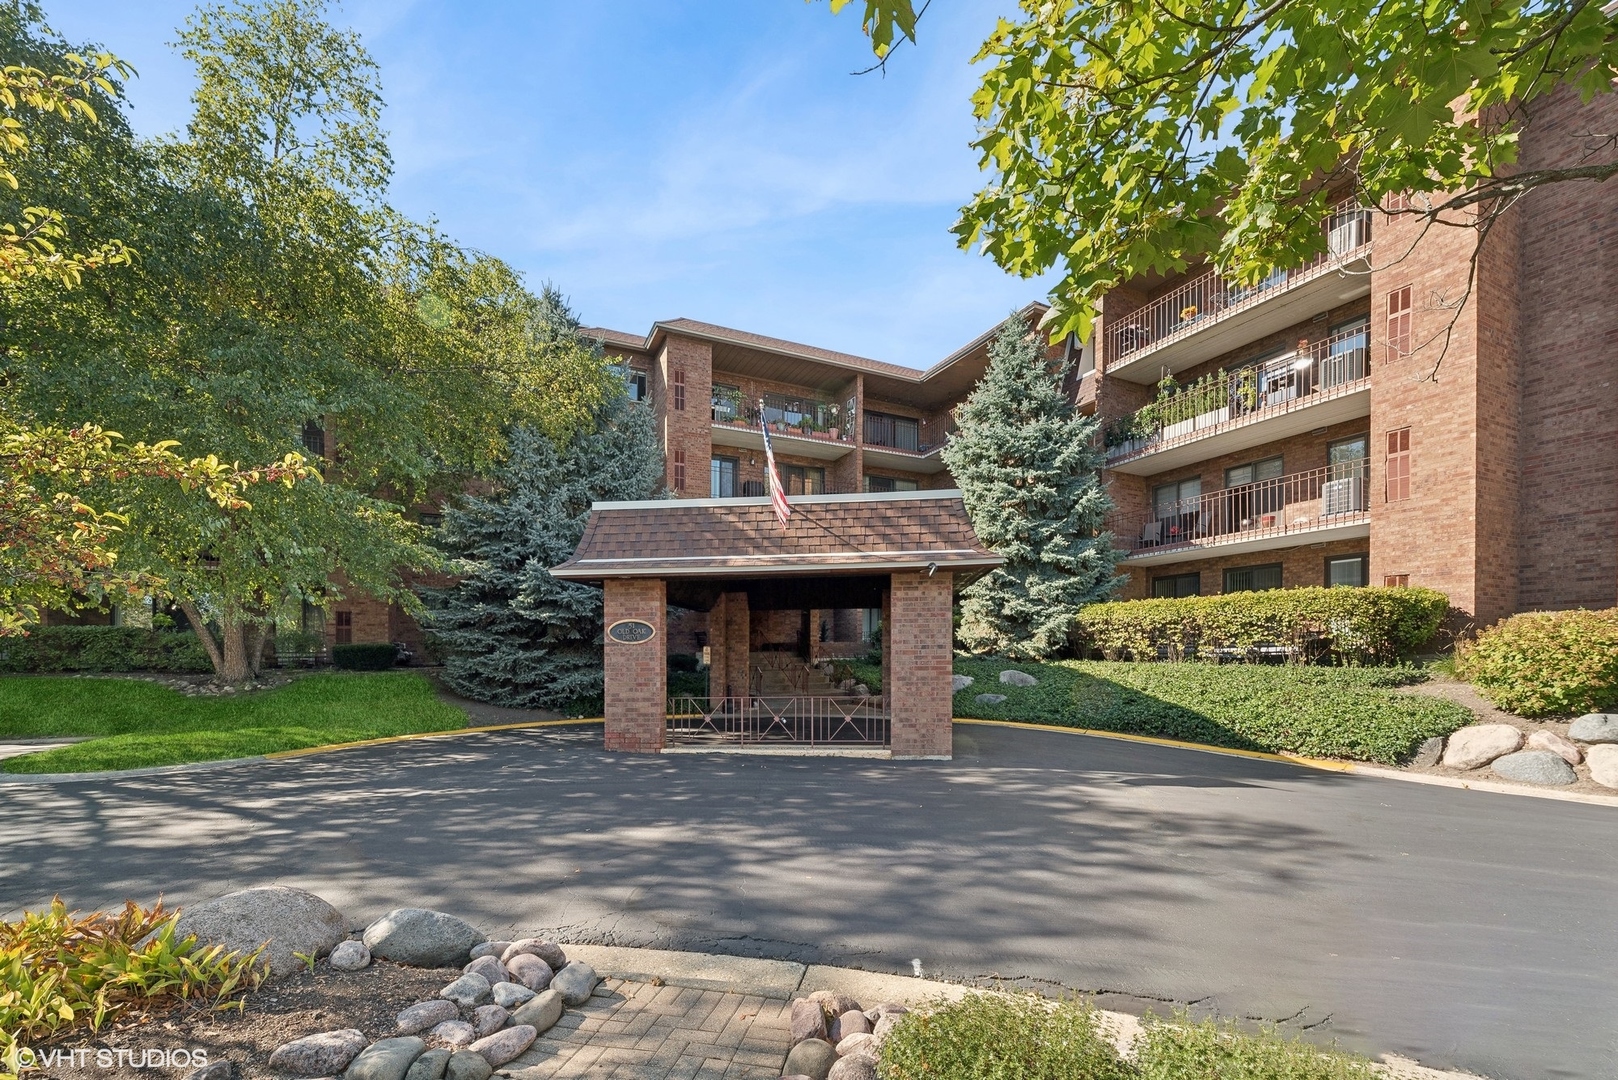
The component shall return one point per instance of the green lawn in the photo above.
(135, 724)
(1335, 712)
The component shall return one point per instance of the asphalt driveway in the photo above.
(1461, 928)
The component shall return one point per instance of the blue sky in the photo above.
(710, 160)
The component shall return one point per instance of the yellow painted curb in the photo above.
(1312, 763)
(308, 750)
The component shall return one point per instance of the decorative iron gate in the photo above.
(803, 721)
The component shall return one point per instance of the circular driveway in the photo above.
(1460, 928)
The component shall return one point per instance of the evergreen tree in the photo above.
(511, 633)
(1029, 467)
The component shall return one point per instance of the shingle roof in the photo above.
(826, 534)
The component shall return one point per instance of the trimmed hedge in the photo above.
(1373, 624)
(368, 657)
(1546, 663)
(52, 649)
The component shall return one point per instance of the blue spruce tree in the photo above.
(1029, 467)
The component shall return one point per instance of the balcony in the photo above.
(804, 427)
(1210, 314)
(1304, 508)
(1230, 411)
(895, 442)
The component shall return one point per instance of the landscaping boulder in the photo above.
(422, 938)
(1534, 767)
(1428, 753)
(502, 1046)
(1018, 678)
(853, 1067)
(860, 1042)
(324, 1054)
(575, 982)
(813, 1058)
(548, 951)
(1595, 728)
(425, 1014)
(852, 1022)
(290, 920)
(531, 971)
(1550, 740)
(957, 683)
(490, 948)
(509, 994)
(388, 1059)
(350, 956)
(1476, 746)
(465, 1065)
(455, 1034)
(883, 1025)
(490, 968)
(833, 1002)
(467, 991)
(807, 1021)
(1603, 761)
(885, 1008)
(488, 1019)
(429, 1066)
(989, 699)
(541, 1013)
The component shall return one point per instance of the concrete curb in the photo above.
(783, 980)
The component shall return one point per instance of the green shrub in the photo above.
(1180, 1050)
(52, 649)
(1355, 625)
(993, 1037)
(298, 643)
(1337, 712)
(369, 657)
(1546, 663)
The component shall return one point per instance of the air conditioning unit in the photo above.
(1346, 235)
(1345, 496)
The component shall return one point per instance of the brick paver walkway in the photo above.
(638, 1031)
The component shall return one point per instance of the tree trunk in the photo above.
(234, 669)
(204, 635)
(256, 632)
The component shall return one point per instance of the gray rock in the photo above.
(469, 990)
(541, 1013)
(852, 1022)
(883, 1025)
(1534, 767)
(422, 938)
(502, 1046)
(957, 683)
(833, 1003)
(1428, 753)
(885, 1008)
(429, 1066)
(465, 1065)
(1603, 762)
(853, 1067)
(289, 920)
(862, 690)
(490, 968)
(1595, 728)
(490, 948)
(1550, 740)
(322, 1054)
(387, 1059)
(218, 1070)
(509, 994)
(860, 1042)
(1018, 678)
(548, 951)
(425, 1014)
(1477, 745)
(807, 1020)
(488, 1019)
(530, 970)
(350, 956)
(455, 1034)
(813, 1058)
(575, 982)
(989, 699)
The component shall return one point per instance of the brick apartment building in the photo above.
(1326, 430)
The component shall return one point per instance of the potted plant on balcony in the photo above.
(1188, 315)
(1210, 409)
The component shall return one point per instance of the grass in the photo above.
(1333, 712)
(133, 724)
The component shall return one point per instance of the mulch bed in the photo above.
(282, 1009)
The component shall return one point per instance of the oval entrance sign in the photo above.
(631, 631)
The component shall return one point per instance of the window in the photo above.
(722, 477)
(1347, 351)
(1398, 465)
(1344, 489)
(1398, 324)
(679, 389)
(679, 470)
(889, 483)
(1395, 581)
(1171, 500)
(899, 432)
(430, 519)
(635, 383)
(314, 437)
(870, 623)
(1177, 585)
(752, 489)
(1253, 578)
(345, 628)
(1252, 473)
(1348, 570)
(803, 480)
(727, 402)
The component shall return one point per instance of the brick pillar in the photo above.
(887, 646)
(637, 674)
(729, 636)
(919, 659)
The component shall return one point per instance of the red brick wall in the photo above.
(1301, 566)
(728, 646)
(689, 429)
(636, 675)
(918, 661)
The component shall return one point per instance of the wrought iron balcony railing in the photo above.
(1334, 495)
(803, 417)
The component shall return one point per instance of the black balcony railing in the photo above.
(896, 432)
(799, 417)
(1334, 495)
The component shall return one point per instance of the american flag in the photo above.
(778, 497)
